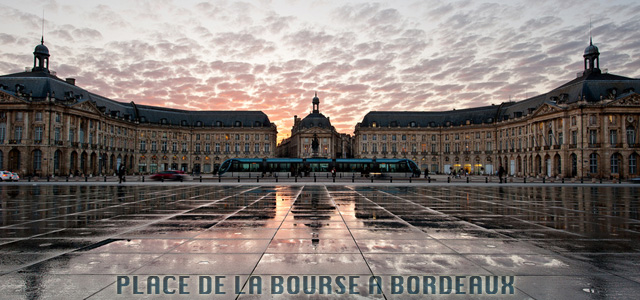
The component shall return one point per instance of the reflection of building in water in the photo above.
(587, 127)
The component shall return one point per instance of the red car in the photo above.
(169, 175)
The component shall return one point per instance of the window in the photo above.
(592, 120)
(154, 146)
(374, 148)
(574, 137)
(237, 148)
(19, 116)
(457, 136)
(217, 148)
(58, 119)
(207, 147)
(246, 147)
(3, 132)
(384, 137)
(633, 163)
(393, 137)
(593, 163)
(184, 147)
(246, 137)
(364, 137)
(615, 162)
(17, 134)
(266, 148)
(256, 147)
(364, 147)
(38, 116)
(237, 137)
(56, 134)
(71, 136)
(394, 148)
(613, 137)
(256, 137)
(404, 137)
(266, 137)
(573, 121)
(174, 147)
(593, 137)
(143, 145)
(227, 147)
(38, 134)
(384, 147)
(374, 137)
(550, 143)
(631, 135)
(163, 147)
(198, 147)
(37, 159)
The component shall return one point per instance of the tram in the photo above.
(304, 166)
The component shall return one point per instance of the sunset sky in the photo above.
(359, 56)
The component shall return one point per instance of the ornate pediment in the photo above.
(630, 100)
(546, 108)
(8, 98)
(87, 106)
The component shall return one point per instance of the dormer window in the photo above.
(238, 124)
(257, 124)
(412, 124)
(374, 124)
(218, 124)
(164, 121)
(198, 123)
(184, 123)
(394, 123)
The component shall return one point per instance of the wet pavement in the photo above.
(144, 241)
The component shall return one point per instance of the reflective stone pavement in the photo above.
(84, 241)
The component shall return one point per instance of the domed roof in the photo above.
(315, 120)
(591, 49)
(41, 49)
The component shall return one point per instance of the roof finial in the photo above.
(590, 35)
(42, 39)
(316, 93)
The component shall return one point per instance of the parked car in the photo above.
(15, 176)
(5, 176)
(169, 175)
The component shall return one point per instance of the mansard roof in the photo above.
(38, 85)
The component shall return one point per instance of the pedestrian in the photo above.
(426, 172)
(501, 172)
(333, 172)
(121, 173)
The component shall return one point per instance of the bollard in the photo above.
(143, 178)
(314, 177)
(340, 175)
(219, 178)
(67, 178)
(525, 179)
(181, 178)
(200, 178)
(105, 178)
(327, 175)
(48, 178)
(238, 178)
(391, 179)
(86, 178)
(276, 177)
(371, 179)
(161, 179)
(287, 175)
(409, 179)
(543, 180)
(600, 180)
(334, 179)
(257, 178)
(429, 179)
(581, 180)
(296, 178)
(467, 179)
(249, 174)
(353, 177)
(562, 180)
(486, 180)
(448, 179)
(29, 179)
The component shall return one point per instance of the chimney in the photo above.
(71, 81)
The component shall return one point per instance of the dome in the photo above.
(591, 49)
(41, 49)
(315, 120)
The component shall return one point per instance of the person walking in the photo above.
(426, 172)
(121, 172)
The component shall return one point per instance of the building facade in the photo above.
(315, 137)
(585, 128)
(49, 126)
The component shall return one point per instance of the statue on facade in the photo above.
(315, 144)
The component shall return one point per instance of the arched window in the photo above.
(574, 165)
(164, 121)
(633, 163)
(218, 123)
(593, 163)
(238, 124)
(56, 160)
(412, 124)
(615, 163)
(37, 159)
(198, 123)
(184, 123)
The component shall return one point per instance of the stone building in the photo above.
(50, 126)
(587, 127)
(315, 137)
